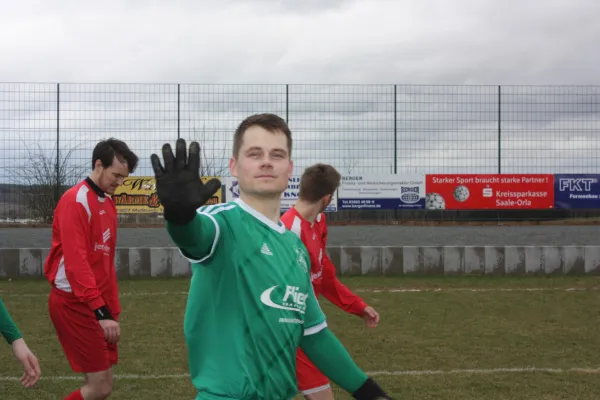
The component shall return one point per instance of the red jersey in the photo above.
(322, 270)
(84, 235)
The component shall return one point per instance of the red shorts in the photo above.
(80, 334)
(310, 378)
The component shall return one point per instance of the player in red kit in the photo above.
(306, 219)
(84, 300)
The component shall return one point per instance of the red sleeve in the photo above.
(332, 289)
(337, 293)
(75, 234)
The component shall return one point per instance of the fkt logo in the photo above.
(576, 184)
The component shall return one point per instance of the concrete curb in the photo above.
(143, 262)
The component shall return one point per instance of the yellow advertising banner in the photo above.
(137, 195)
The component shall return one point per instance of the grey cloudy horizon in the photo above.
(343, 45)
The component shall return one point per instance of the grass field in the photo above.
(449, 338)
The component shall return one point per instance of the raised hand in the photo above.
(178, 183)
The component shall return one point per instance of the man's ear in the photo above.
(291, 169)
(232, 166)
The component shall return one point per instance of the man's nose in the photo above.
(266, 162)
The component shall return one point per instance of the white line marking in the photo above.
(476, 290)
(122, 294)
(489, 371)
(370, 373)
(388, 290)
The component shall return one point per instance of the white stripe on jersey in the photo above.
(214, 208)
(297, 227)
(209, 211)
(315, 329)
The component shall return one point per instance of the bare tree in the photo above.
(349, 164)
(42, 179)
(213, 157)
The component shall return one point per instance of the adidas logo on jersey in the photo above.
(265, 250)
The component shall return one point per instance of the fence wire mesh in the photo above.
(49, 130)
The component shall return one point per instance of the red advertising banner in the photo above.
(472, 191)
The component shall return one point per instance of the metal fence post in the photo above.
(499, 130)
(395, 131)
(287, 103)
(57, 188)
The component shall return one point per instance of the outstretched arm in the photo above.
(333, 360)
(182, 193)
(198, 238)
(329, 355)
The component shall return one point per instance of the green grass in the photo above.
(420, 331)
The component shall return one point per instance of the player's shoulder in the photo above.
(321, 219)
(294, 239)
(75, 194)
(222, 210)
(288, 217)
(293, 223)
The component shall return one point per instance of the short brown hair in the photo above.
(318, 181)
(270, 122)
(107, 150)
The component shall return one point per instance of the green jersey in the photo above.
(250, 301)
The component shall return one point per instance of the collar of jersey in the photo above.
(94, 187)
(276, 227)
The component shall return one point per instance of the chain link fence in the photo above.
(48, 131)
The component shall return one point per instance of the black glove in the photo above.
(370, 390)
(178, 184)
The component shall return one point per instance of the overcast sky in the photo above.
(308, 41)
(476, 42)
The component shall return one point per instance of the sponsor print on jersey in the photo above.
(103, 246)
(292, 300)
(301, 259)
(316, 276)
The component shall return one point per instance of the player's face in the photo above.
(113, 176)
(263, 166)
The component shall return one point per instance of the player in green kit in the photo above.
(250, 303)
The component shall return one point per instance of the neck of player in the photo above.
(95, 177)
(269, 207)
(309, 211)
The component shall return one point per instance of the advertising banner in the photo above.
(288, 198)
(576, 191)
(381, 192)
(137, 195)
(489, 191)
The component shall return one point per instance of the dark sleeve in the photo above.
(329, 355)
(8, 328)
